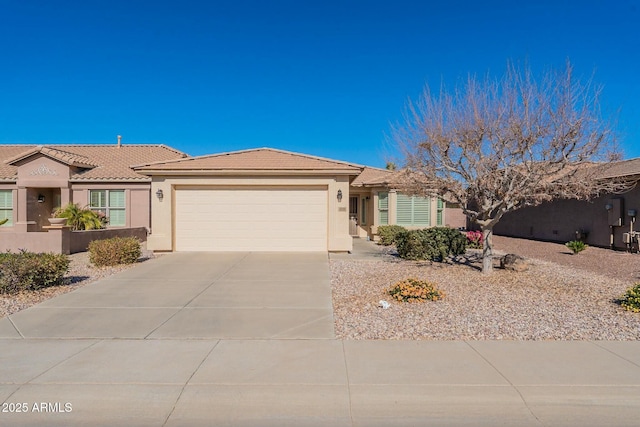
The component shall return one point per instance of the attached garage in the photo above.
(251, 219)
(261, 199)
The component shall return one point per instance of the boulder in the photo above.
(513, 262)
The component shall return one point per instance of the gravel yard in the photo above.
(81, 273)
(560, 297)
(572, 298)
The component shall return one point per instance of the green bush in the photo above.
(631, 300)
(28, 271)
(433, 244)
(388, 233)
(118, 250)
(576, 246)
(414, 290)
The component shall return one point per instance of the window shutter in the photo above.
(116, 199)
(6, 206)
(421, 211)
(117, 217)
(6, 199)
(439, 211)
(383, 208)
(404, 210)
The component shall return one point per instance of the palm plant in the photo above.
(81, 218)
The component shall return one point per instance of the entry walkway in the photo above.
(149, 348)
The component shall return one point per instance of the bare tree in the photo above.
(497, 145)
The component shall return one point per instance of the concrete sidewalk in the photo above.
(170, 382)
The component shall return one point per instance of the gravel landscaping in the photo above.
(560, 297)
(573, 298)
(81, 273)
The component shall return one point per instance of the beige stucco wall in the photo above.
(559, 220)
(162, 221)
(454, 217)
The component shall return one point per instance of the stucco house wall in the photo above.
(137, 200)
(559, 220)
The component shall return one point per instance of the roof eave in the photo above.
(103, 180)
(228, 172)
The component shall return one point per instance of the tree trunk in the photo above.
(487, 250)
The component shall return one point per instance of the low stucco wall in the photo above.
(79, 240)
(62, 240)
(34, 242)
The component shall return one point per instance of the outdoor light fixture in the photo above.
(339, 195)
(40, 198)
(160, 194)
(608, 206)
(632, 213)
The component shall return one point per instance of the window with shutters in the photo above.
(6, 207)
(383, 208)
(111, 203)
(413, 211)
(439, 212)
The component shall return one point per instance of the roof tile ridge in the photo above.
(311, 156)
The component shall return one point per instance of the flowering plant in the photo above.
(474, 239)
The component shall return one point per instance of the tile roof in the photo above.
(373, 176)
(65, 157)
(260, 159)
(97, 162)
(621, 168)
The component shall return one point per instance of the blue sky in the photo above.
(320, 77)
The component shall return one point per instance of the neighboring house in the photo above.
(34, 180)
(273, 200)
(600, 222)
(251, 200)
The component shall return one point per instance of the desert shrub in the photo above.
(434, 244)
(414, 290)
(576, 246)
(28, 271)
(118, 250)
(474, 239)
(388, 234)
(631, 299)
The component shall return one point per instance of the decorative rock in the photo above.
(514, 262)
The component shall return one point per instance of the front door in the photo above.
(353, 215)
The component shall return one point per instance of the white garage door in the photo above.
(251, 219)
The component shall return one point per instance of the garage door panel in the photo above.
(284, 219)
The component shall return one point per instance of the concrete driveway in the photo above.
(193, 295)
(246, 340)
